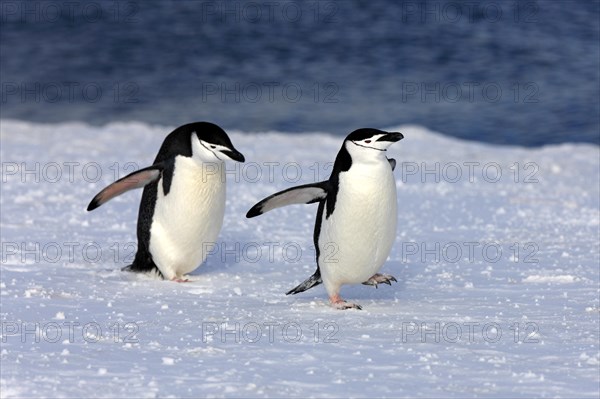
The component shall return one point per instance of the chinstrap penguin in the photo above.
(183, 202)
(356, 219)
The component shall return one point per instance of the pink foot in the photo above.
(338, 303)
(180, 280)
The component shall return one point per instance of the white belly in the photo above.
(187, 221)
(357, 238)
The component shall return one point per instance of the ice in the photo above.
(497, 292)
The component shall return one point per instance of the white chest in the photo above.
(359, 234)
(187, 220)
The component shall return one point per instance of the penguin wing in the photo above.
(306, 194)
(392, 162)
(137, 179)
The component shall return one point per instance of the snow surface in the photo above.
(515, 314)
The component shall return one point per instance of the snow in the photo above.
(497, 261)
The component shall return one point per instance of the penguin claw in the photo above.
(346, 305)
(380, 279)
(340, 304)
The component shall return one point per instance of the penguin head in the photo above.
(210, 143)
(370, 143)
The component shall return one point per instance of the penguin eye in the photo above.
(213, 146)
(367, 141)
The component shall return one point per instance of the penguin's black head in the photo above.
(204, 141)
(367, 142)
(210, 143)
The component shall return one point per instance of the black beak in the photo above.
(235, 155)
(393, 137)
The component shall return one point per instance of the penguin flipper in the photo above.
(305, 194)
(392, 162)
(137, 179)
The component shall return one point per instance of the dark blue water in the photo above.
(516, 72)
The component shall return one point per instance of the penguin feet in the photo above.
(338, 303)
(180, 280)
(380, 279)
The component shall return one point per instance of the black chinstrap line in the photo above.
(364, 146)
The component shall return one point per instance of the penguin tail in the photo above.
(151, 271)
(310, 282)
(128, 268)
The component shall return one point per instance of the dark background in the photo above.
(511, 72)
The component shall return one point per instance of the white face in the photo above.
(368, 149)
(208, 152)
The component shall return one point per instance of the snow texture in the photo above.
(497, 292)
